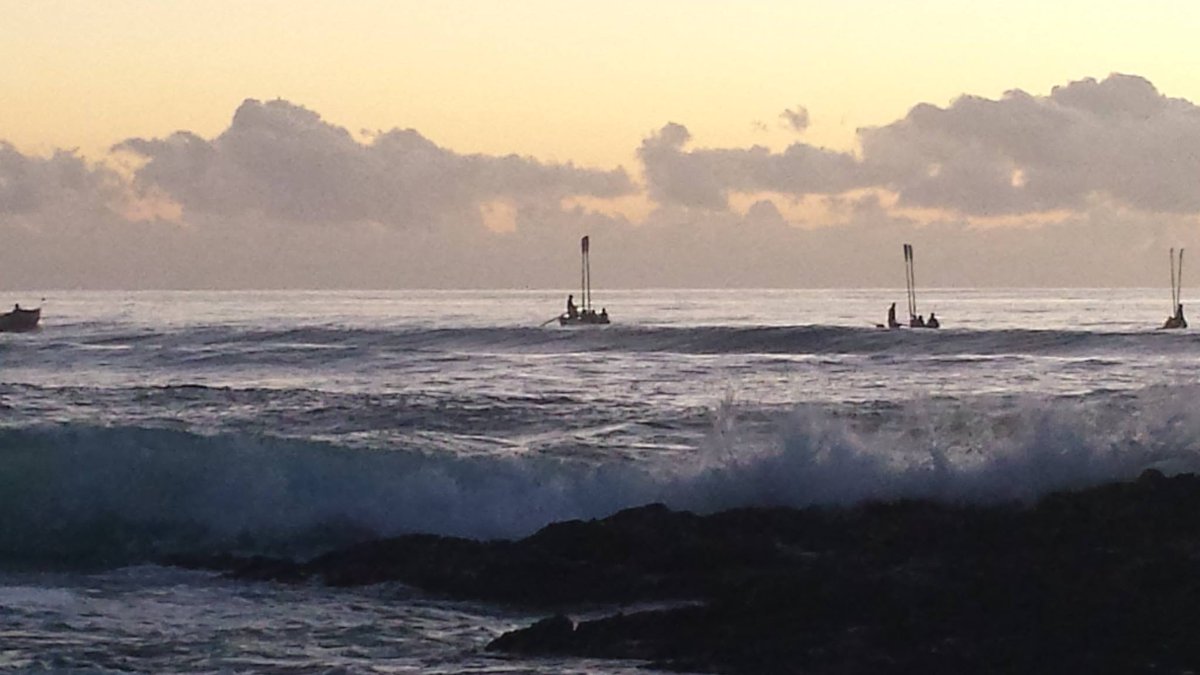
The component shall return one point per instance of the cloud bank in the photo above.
(284, 162)
(32, 187)
(1116, 139)
(704, 178)
(1085, 185)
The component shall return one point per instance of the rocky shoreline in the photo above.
(1105, 579)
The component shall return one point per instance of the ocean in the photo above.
(139, 425)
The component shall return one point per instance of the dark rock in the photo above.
(1105, 579)
(551, 635)
(244, 567)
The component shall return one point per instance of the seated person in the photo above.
(933, 321)
(1176, 321)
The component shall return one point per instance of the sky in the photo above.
(372, 144)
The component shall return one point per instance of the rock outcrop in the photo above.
(1099, 580)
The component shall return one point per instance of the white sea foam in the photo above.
(23, 598)
(121, 494)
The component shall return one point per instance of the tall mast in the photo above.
(912, 275)
(911, 280)
(1179, 282)
(583, 273)
(1174, 285)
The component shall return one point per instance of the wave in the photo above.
(85, 495)
(456, 422)
(213, 348)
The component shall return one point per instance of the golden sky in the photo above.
(1086, 180)
(559, 80)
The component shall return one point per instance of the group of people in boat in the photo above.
(587, 315)
(1176, 321)
(914, 321)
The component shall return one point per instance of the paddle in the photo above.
(550, 320)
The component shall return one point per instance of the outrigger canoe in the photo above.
(585, 319)
(586, 315)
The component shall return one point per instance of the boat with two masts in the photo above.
(1176, 320)
(584, 314)
(915, 320)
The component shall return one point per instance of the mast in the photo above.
(910, 279)
(1174, 286)
(585, 274)
(1178, 284)
(912, 274)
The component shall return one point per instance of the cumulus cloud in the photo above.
(1117, 139)
(703, 178)
(63, 182)
(282, 161)
(1114, 160)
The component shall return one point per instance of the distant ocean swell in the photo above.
(83, 495)
(297, 411)
(226, 345)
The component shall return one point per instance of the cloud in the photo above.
(1114, 159)
(64, 183)
(703, 178)
(1117, 139)
(282, 161)
(797, 119)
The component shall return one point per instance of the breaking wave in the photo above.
(85, 495)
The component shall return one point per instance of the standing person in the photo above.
(572, 311)
(891, 322)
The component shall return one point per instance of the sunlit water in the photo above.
(135, 425)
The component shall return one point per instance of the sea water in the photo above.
(134, 426)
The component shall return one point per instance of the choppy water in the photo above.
(138, 424)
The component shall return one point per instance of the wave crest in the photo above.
(88, 495)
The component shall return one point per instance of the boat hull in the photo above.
(583, 320)
(20, 320)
